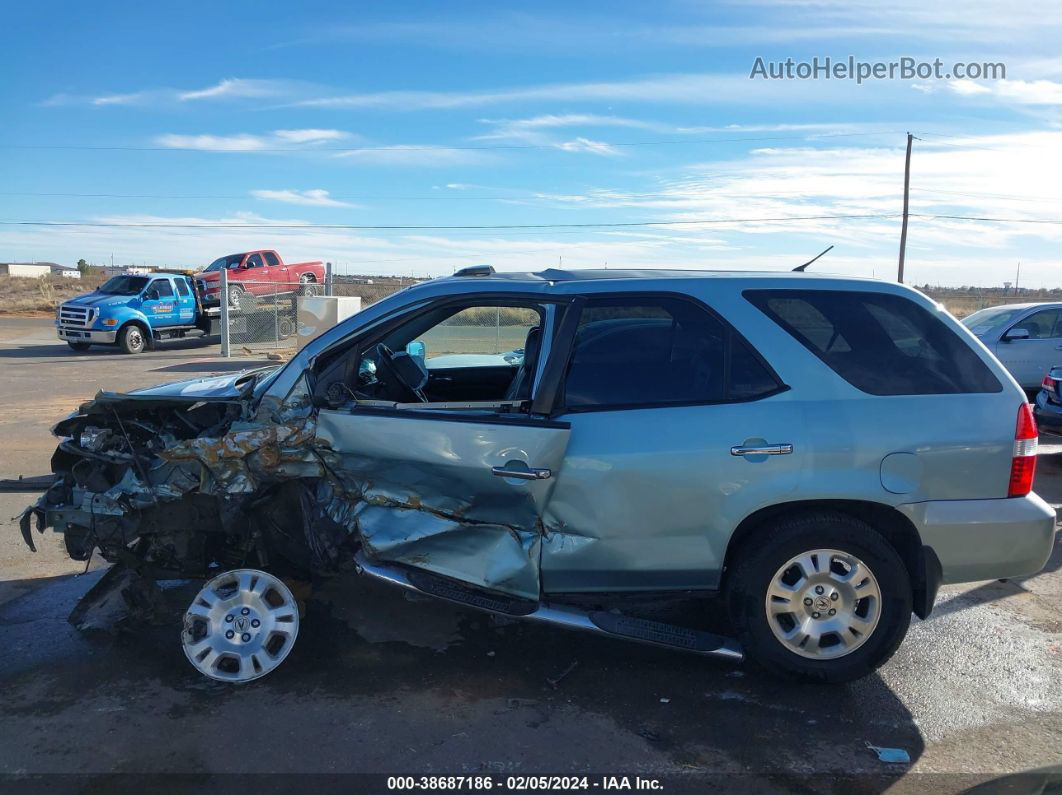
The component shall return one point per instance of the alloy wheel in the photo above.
(823, 604)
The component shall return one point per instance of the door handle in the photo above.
(762, 449)
(521, 474)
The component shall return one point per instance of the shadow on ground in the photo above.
(379, 681)
(62, 350)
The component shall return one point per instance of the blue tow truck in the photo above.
(133, 311)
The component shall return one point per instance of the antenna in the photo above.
(802, 268)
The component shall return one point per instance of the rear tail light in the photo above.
(1049, 383)
(1023, 464)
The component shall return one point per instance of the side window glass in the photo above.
(749, 377)
(814, 326)
(182, 288)
(163, 287)
(1042, 325)
(479, 336)
(254, 261)
(271, 259)
(879, 343)
(656, 351)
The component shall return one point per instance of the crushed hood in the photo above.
(213, 386)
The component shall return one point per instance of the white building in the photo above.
(65, 271)
(32, 270)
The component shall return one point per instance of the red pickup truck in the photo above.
(259, 273)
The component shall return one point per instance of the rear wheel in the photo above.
(131, 339)
(308, 286)
(80, 347)
(237, 298)
(824, 598)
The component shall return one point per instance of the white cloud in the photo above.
(278, 140)
(235, 87)
(586, 145)
(232, 89)
(1020, 92)
(532, 130)
(413, 155)
(680, 89)
(309, 198)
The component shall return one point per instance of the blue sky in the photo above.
(196, 119)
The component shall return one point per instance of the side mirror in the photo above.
(1016, 334)
(418, 351)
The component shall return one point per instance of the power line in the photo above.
(432, 148)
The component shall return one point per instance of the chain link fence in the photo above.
(263, 316)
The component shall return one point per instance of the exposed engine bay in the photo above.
(176, 486)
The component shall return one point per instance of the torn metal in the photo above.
(176, 484)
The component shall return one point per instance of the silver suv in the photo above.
(563, 446)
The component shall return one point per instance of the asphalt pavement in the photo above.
(379, 682)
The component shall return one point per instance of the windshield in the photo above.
(986, 321)
(124, 285)
(229, 262)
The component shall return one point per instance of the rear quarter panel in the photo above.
(962, 444)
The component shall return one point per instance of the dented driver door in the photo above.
(456, 493)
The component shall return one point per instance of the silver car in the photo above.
(570, 447)
(1027, 338)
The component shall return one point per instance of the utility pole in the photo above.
(906, 204)
(1017, 278)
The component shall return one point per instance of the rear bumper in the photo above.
(985, 539)
(85, 335)
(1048, 414)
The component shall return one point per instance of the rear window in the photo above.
(881, 344)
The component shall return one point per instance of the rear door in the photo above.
(256, 278)
(185, 301)
(458, 490)
(276, 270)
(678, 430)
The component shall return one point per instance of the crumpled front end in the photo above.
(176, 486)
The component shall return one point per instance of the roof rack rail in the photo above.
(476, 270)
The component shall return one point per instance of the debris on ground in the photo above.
(31, 483)
(892, 755)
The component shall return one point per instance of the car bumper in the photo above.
(85, 335)
(1048, 413)
(986, 539)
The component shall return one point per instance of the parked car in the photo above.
(133, 311)
(822, 452)
(1027, 338)
(1048, 406)
(259, 273)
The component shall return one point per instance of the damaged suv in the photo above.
(822, 452)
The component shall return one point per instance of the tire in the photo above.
(309, 287)
(236, 298)
(131, 339)
(870, 628)
(80, 347)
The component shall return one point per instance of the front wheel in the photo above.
(131, 340)
(823, 598)
(80, 347)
